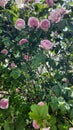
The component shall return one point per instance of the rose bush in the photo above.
(36, 65)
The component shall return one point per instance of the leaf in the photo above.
(37, 60)
(15, 73)
(8, 126)
(62, 127)
(70, 25)
(35, 108)
(53, 127)
(71, 114)
(34, 116)
(0, 31)
(56, 90)
(54, 103)
(43, 111)
(70, 3)
(63, 105)
(20, 123)
(39, 112)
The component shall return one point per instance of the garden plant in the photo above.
(36, 64)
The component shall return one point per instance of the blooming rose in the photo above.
(33, 22)
(20, 24)
(22, 41)
(35, 125)
(46, 44)
(4, 51)
(3, 2)
(27, 57)
(46, 128)
(4, 103)
(41, 103)
(45, 24)
(13, 65)
(57, 15)
(71, 128)
(50, 3)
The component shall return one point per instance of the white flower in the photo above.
(19, 3)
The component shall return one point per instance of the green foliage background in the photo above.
(47, 77)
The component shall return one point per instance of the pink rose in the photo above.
(71, 128)
(46, 44)
(33, 22)
(3, 3)
(4, 51)
(22, 41)
(4, 103)
(41, 103)
(13, 65)
(45, 24)
(20, 24)
(35, 125)
(50, 3)
(27, 57)
(46, 128)
(57, 15)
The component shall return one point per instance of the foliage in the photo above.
(47, 76)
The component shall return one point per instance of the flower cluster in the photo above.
(46, 44)
(35, 124)
(20, 24)
(4, 103)
(57, 15)
(50, 3)
(3, 3)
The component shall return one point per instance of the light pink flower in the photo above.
(35, 125)
(50, 3)
(33, 22)
(45, 24)
(57, 15)
(13, 65)
(4, 103)
(27, 57)
(41, 103)
(46, 128)
(71, 128)
(20, 24)
(4, 51)
(22, 41)
(3, 3)
(46, 44)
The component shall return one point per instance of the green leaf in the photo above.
(35, 108)
(20, 124)
(53, 127)
(43, 111)
(15, 73)
(56, 90)
(0, 30)
(70, 3)
(8, 126)
(62, 127)
(63, 105)
(39, 112)
(70, 25)
(34, 116)
(54, 103)
(37, 60)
